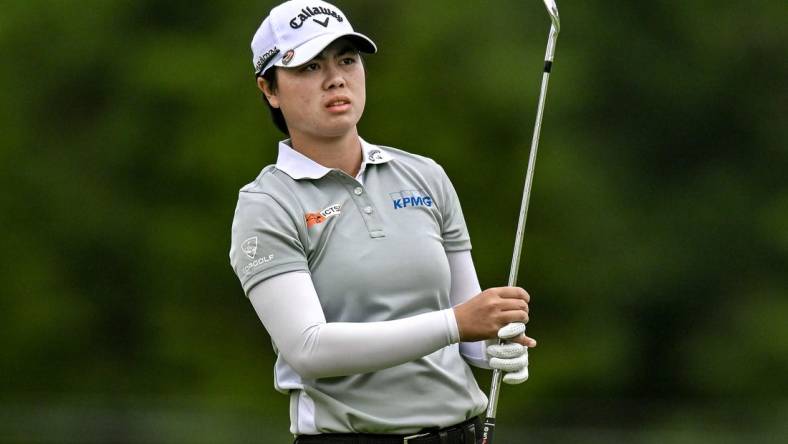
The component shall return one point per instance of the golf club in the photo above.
(495, 387)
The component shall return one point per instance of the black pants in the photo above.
(468, 432)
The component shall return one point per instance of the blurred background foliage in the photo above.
(656, 250)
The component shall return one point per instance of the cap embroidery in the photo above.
(308, 12)
(265, 58)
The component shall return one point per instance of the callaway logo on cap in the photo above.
(297, 30)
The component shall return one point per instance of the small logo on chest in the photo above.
(313, 219)
(410, 198)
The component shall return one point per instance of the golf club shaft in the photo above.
(495, 387)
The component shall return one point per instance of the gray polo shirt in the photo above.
(376, 251)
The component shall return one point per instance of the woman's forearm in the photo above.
(290, 310)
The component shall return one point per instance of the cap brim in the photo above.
(310, 49)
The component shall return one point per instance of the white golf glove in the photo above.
(510, 357)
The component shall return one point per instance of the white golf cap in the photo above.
(297, 30)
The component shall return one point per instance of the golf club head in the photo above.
(552, 9)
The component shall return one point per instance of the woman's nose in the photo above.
(334, 77)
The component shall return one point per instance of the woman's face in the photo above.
(324, 97)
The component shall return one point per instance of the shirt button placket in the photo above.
(367, 210)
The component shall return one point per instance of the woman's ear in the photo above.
(270, 95)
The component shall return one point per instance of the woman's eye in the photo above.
(311, 67)
(349, 60)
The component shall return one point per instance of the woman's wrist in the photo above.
(453, 325)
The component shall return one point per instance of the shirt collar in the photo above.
(298, 166)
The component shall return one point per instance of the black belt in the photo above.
(462, 433)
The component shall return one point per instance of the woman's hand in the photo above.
(482, 316)
(499, 313)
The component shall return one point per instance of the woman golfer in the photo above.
(357, 259)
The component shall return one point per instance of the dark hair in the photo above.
(276, 114)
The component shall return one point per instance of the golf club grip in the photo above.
(488, 430)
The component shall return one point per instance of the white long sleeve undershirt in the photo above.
(290, 310)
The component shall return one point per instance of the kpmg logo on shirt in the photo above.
(411, 198)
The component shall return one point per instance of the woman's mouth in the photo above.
(338, 104)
